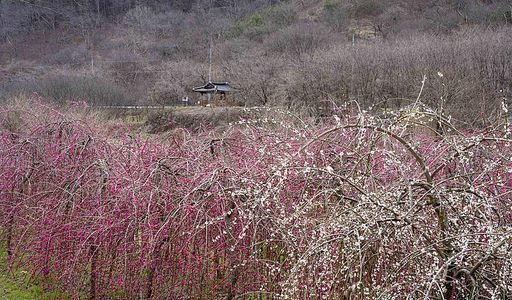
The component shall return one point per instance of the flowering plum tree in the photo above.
(358, 207)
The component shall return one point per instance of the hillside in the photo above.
(291, 53)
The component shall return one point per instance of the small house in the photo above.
(214, 88)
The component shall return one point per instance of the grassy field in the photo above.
(16, 284)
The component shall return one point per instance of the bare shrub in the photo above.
(18, 18)
(168, 50)
(465, 72)
(194, 119)
(272, 18)
(171, 34)
(176, 80)
(261, 79)
(404, 18)
(71, 56)
(441, 20)
(336, 14)
(299, 39)
(365, 8)
(140, 16)
(126, 68)
(281, 15)
(64, 88)
(492, 12)
(339, 13)
(159, 24)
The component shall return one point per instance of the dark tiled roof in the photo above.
(215, 87)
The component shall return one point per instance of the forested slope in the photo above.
(292, 53)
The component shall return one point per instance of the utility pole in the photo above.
(210, 54)
(210, 68)
(97, 12)
(210, 60)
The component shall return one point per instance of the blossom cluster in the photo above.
(356, 207)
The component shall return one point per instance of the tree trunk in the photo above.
(94, 256)
(235, 272)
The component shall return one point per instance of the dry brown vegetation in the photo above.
(296, 54)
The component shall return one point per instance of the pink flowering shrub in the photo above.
(356, 207)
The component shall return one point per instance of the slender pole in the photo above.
(210, 61)
(210, 69)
